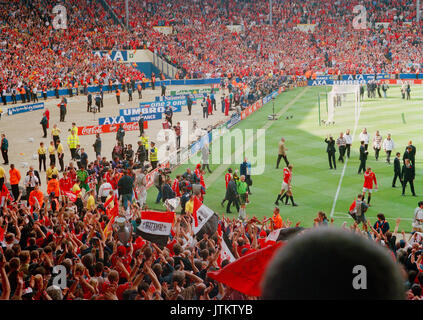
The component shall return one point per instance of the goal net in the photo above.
(343, 99)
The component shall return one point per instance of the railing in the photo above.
(166, 68)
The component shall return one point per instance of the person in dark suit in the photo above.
(232, 196)
(411, 154)
(363, 158)
(89, 102)
(331, 151)
(397, 169)
(408, 174)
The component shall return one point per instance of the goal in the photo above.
(342, 99)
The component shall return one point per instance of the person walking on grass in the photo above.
(282, 153)
(369, 179)
(397, 170)
(363, 157)
(341, 142)
(408, 174)
(242, 189)
(286, 186)
(388, 146)
(377, 144)
(348, 140)
(331, 152)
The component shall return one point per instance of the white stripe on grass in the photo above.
(221, 168)
(344, 167)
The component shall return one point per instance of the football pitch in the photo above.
(315, 187)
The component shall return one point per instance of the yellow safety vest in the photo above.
(73, 141)
(153, 154)
(144, 141)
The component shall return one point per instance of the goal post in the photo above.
(346, 97)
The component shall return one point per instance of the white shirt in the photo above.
(377, 141)
(348, 138)
(364, 137)
(30, 181)
(418, 214)
(388, 145)
(105, 189)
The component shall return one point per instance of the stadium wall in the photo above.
(319, 81)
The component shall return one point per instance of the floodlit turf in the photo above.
(314, 185)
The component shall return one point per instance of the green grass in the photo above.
(314, 185)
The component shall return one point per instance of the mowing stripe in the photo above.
(221, 168)
(345, 167)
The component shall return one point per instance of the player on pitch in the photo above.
(369, 179)
(286, 186)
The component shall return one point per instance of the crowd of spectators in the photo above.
(80, 232)
(201, 43)
(36, 55)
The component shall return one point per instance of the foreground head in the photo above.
(345, 266)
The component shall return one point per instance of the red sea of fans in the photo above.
(202, 45)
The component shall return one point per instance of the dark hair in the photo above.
(332, 275)
(381, 216)
(416, 289)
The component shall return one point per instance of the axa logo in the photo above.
(319, 83)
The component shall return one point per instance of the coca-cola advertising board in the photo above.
(108, 128)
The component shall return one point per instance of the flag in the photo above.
(207, 221)
(113, 213)
(4, 195)
(197, 205)
(106, 204)
(352, 206)
(226, 253)
(283, 234)
(70, 195)
(155, 226)
(2, 231)
(246, 274)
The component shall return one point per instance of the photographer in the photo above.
(129, 152)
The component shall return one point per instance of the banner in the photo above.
(269, 97)
(154, 108)
(193, 91)
(207, 222)
(156, 226)
(127, 119)
(25, 108)
(112, 55)
(253, 108)
(194, 97)
(108, 128)
(164, 104)
(283, 234)
(236, 117)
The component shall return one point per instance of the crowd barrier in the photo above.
(214, 82)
